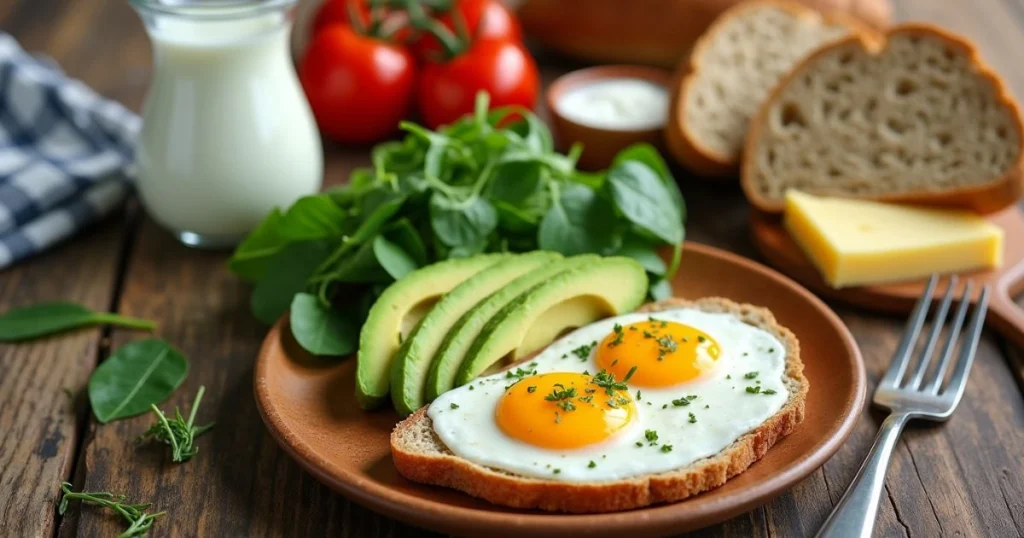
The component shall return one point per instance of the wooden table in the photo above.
(962, 479)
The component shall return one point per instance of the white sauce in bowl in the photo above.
(619, 104)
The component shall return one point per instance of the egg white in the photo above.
(723, 409)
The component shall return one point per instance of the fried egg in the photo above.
(623, 397)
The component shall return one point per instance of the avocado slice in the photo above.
(409, 367)
(607, 287)
(452, 352)
(395, 313)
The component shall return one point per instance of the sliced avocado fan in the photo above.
(395, 313)
(409, 367)
(606, 287)
(456, 344)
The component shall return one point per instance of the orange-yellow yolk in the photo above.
(664, 353)
(563, 410)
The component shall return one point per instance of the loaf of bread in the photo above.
(915, 117)
(729, 73)
(654, 32)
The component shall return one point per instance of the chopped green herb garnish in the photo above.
(771, 350)
(638, 443)
(750, 375)
(618, 336)
(638, 395)
(666, 448)
(666, 345)
(454, 405)
(754, 390)
(531, 389)
(701, 338)
(606, 380)
(592, 464)
(651, 436)
(471, 387)
(768, 391)
(583, 351)
(680, 402)
(693, 418)
(556, 471)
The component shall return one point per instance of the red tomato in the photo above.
(359, 87)
(446, 91)
(485, 19)
(337, 11)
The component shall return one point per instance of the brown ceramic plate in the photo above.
(310, 408)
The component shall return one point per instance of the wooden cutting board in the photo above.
(781, 251)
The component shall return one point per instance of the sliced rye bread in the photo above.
(914, 118)
(420, 456)
(731, 71)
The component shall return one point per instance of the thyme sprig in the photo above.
(136, 515)
(178, 433)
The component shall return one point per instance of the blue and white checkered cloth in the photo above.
(64, 152)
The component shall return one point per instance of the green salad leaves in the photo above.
(490, 182)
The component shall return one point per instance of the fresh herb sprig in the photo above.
(481, 184)
(178, 433)
(136, 515)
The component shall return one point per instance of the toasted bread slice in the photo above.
(916, 118)
(730, 72)
(420, 456)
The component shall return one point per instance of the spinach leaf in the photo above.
(360, 266)
(312, 217)
(643, 252)
(49, 318)
(375, 220)
(578, 222)
(286, 276)
(137, 375)
(404, 234)
(515, 220)
(461, 222)
(644, 200)
(646, 154)
(321, 330)
(392, 258)
(252, 257)
(661, 289)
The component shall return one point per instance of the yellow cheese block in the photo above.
(854, 242)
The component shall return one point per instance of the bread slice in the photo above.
(915, 118)
(731, 70)
(420, 456)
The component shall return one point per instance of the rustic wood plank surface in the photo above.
(962, 479)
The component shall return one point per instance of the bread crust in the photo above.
(986, 198)
(686, 146)
(443, 468)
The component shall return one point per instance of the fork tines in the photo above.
(895, 377)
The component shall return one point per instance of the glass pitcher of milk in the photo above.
(227, 133)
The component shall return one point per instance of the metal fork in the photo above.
(911, 397)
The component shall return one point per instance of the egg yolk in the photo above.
(564, 410)
(664, 353)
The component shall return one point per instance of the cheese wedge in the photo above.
(855, 242)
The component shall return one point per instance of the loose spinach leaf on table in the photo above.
(322, 330)
(49, 318)
(137, 375)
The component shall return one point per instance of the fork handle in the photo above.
(854, 516)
